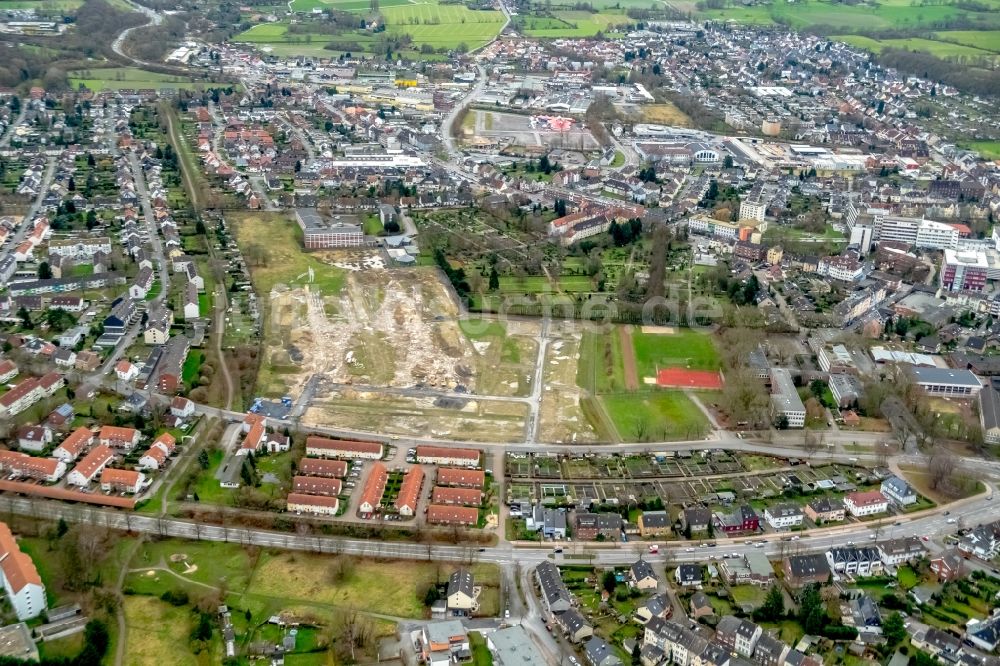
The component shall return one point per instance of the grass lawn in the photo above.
(600, 366)
(393, 588)
(215, 562)
(286, 261)
(908, 578)
(192, 366)
(989, 150)
(373, 226)
(207, 487)
(445, 26)
(684, 349)
(480, 652)
(654, 416)
(157, 629)
(154, 290)
(748, 594)
(61, 648)
(570, 24)
(115, 78)
(482, 329)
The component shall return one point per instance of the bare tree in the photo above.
(941, 465)
(355, 630)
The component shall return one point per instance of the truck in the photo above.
(654, 549)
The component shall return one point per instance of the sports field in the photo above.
(684, 348)
(117, 78)
(655, 416)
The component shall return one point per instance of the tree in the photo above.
(61, 528)
(494, 279)
(941, 465)
(44, 271)
(609, 582)
(894, 629)
(812, 613)
(203, 461)
(25, 317)
(817, 387)
(636, 654)
(773, 608)
(728, 162)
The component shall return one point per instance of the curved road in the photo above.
(155, 18)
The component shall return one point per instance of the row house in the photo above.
(863, 561)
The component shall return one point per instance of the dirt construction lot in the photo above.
(384, 328)
(562, 418)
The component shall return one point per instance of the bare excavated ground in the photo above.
(385, 328)
(562, 417)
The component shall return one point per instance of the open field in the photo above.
(665, 114)
(115, 78)
(987, 40)
(459, 419)
(654, 416)
(570, 24)
(504, 355)
(156, 629)
(934, 47)
(392, 588)
(41, 5)
(840, 18)
(562, 416)
(342, 5)
(990, 150)
(684, 348)
(445, 26)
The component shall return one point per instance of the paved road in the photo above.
(159, 257)
(26, 223)
(155, 18)
(449, 120)
(5, 141)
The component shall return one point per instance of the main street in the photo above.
(36, 206)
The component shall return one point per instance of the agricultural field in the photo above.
(443, 26)
(987, 40)
(570, 24)
(840, 18)
(115, 78)
(42, 6)
(937, 48)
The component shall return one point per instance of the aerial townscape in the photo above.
(500, 332)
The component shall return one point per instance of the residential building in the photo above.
(459, 496)
(751, 568)
(898, 491)
(115, 437)
(984, 634)
(868, 503)
(597, 526)
(554, 594)
(688, 575)
(90, 466)
(33, 438)
(855, 561)
(948, 566)
(654, 523)
(18, 464)
(321, 447)
(770, 651)
(461, 595)
(964, 271)
(598, 653)
(578, 629)
(802, 570)
(783, 516)
(74, 444)
(901, 550)
(461, 477)
(315, 504)
(374, 488)
(695, 519)
(409, 491)
(642, 577)
(439, 455)
(445, 642)
(316, 485)
(743, 519)
(463, 516)
(336, 469)
(826, 510)
(121, 480)
(21, 581)
(738, 635)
